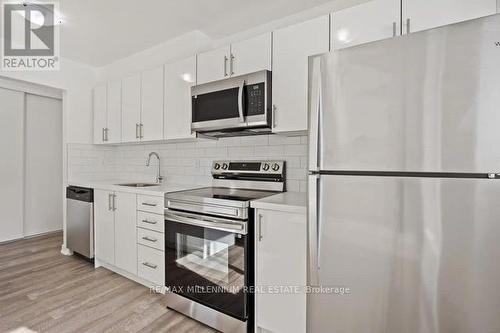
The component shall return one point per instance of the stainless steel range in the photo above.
(209, 243)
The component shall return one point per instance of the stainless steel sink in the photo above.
(138, 184)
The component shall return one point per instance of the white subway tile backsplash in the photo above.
(187, 162)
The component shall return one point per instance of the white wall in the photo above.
(77, 80)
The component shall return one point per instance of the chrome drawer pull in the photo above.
(149, 222)
(149, 239)
(147, 264)
(149, 204)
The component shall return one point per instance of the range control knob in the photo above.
(265, 167)
(224, 166)
(276, 167)
(216, 166)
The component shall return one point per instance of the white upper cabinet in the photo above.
(213, 65)
(152, 105)
(131, 108)
(100, 114)
(426, 14)
(251, 55)
(179, 78)
(114, 100)
(244, 57)
(367, 22)
(292, 47)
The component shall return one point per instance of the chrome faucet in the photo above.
(159, 177)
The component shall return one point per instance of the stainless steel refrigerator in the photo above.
(404, 185)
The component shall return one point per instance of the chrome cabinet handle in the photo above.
(137, 131)
(107, 134)
(274, 115)
(149, 222)
(141, 131)
(147, 264)
(225, 66)
(149, 239)
(408, 25)
(149, 204)
(231, 65)
(103, 135)
(260, 228)
(240, 101)
(114, 202)
(394, 29)
(109, 202)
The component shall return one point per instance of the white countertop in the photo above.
(110, 185)
(290, 202)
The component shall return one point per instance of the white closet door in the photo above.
(44, 185)
(11, 167)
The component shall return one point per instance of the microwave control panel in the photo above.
(256, 96)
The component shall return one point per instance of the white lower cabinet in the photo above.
(115, 229)
(280, 261)
(151, 265)
(126, 232)
(150, 238)
(104, 219)
(130, 241)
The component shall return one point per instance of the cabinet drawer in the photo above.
(151, 265)
(150, 204)
(151, 221)
(150, 238)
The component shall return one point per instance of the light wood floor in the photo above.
(44, 291)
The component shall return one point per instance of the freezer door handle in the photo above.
(315, 115)
(313, 230)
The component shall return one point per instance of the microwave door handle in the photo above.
(240, 101)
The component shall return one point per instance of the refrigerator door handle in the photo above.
(313, 230)
(315, 115)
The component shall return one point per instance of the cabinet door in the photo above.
(126, 231)
(367, 22)
(179, 78)
(114, 102)
(280, 261)
(292, 47)
(131, 108)
(152, 105)
(100, 113)
(104, 226)
(213, 65)
(251, 55)
(427, 14)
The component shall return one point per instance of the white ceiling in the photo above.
(98, 32)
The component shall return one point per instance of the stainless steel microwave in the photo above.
(233, 107)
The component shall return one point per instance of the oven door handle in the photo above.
(207, 222)
(240, 101)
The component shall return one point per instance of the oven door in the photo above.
(206, 260)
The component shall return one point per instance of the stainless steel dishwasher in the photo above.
(80, 220)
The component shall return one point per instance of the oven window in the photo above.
(215, 105)
(208, 266)
(206, 257)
